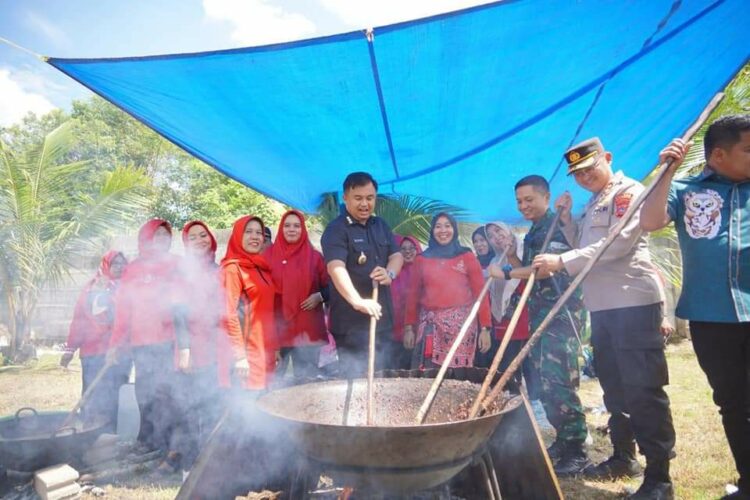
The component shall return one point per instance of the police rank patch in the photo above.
(622, 202)
(703, 213)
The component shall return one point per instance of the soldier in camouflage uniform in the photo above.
(555, 356)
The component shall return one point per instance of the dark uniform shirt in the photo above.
(544, 294)
(347, 240)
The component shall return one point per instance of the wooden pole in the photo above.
(614, 232)
(86, 395)
(371, 358)
(503, 346)
(422, 413)
(511, 326)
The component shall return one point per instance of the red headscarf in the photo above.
(105, 272)
(236, 254)
(292, 267)
(146, 235)
(211, 255)
(400, 289)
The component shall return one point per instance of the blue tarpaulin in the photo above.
(455, 107)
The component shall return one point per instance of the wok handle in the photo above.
(26, 408)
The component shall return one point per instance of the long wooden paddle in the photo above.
(613, 234)
(511, 326)
(86, 395)
(371, 359)
(422, 413)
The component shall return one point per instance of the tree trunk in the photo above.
(10, 301)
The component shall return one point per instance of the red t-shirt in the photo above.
(442, 283)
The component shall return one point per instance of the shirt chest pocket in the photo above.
(374, 248)
(600, 220)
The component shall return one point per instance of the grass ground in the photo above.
(702, 467)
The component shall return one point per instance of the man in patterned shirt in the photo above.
(711, 212)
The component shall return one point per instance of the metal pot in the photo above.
(326, 420)
(31, 440)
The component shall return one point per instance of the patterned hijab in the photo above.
(500, 289)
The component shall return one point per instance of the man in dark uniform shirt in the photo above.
(359, 251)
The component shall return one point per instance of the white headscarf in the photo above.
(501, 289)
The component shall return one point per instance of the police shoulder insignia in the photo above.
(622, 202)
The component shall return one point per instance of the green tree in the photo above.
(45, 225)
(31, 130)
(184, 188)
(193, 190)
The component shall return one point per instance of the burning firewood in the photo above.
(262, 495)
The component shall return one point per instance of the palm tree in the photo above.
(46, 223)
(665, 249)
(406, 215)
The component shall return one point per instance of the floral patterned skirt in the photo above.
(436, 332)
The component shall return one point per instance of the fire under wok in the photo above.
(326, 421)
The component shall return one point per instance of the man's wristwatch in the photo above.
(391, 274)
(507, 268)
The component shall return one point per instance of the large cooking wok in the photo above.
(326, 420)
(30, 440)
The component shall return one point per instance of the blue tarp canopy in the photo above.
(455, 107)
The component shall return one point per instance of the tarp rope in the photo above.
(370, 34)
(675, 7)
(23, 49)
(561, 103)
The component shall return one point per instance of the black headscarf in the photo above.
(437, 251)
(484, 260)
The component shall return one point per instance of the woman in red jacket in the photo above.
(249, 306)
(302, 282)
(90, 332)
(400, 356)
(145, 306)
(200, 311)
(447, 282)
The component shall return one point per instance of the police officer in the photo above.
(359, 249)
(624, 295)
(555, 356)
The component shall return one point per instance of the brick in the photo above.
(54, 477)
(68, 492)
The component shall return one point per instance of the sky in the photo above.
(119, 28)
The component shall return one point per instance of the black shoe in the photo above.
(613, 468)
(654, 490)
(556, 449)
(572, 461)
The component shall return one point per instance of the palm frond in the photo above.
(47, 221)
(412, 215)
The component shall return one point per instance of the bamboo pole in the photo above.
(422, 413)
(371, 359)
(86, 395)
(614, 232)
(511, 326)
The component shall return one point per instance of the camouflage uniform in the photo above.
(555, 355)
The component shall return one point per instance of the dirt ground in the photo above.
(701, 470)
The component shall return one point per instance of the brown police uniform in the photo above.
(624, 296)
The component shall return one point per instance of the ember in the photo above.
(262, 495)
